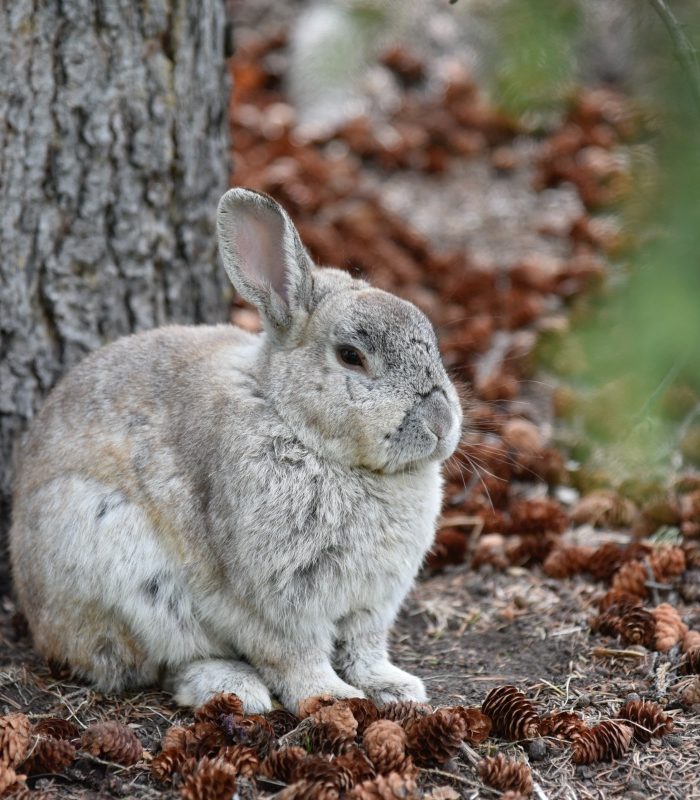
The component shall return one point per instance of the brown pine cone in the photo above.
(529, 548)
(244, 760)
(506, 774)
(477, 726)
(604, 742)
(604, 508)
(667, 562)
(512, 714)
(357, 764)
(691, 661)
(50, 755)
(563, 561)
(402, 710)
(281, 764)
(618, 602)
(15, 738)
(691, 640)
(334, 729)
(8, 778)
(310, 705)
(638, 626)
(607, 623)
(631, 578)
(218, 706)
(309, 790)
(167, 763)
(364, 711)
(538, 515)
(435, 739)
(386, 787)
(175, 737)
(204, 739)
(317, 769)
(253, 731)
(209, 781)
(648, 719)
(670, 628)
(282, 721)
(112, 741)
(605, 561)
(561, 725)
(56, 727)
(690, 695)
(385, 744)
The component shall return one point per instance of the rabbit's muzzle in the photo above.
(436, 413)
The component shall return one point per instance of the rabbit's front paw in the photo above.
(294, 692)
(195, 683)
(385, 683)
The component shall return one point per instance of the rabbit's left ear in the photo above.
(264, 257)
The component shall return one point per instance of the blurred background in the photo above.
(525, 171)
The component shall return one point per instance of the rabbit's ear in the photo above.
(264, 257)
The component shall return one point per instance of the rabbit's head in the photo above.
(354, 371)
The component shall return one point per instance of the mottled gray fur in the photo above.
(229, 512)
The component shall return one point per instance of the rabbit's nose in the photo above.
(437, 414)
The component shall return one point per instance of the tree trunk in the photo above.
(113, 154)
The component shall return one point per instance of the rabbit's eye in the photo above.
(350, 356)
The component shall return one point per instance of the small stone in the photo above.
(537, 750)
(673, 740)
(583, 701)
(632, 697)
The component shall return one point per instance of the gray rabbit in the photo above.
(221, 511)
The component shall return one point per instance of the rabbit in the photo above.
(214, 510)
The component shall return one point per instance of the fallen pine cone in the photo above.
(281, 721)
(175, 737)
(167, 763)
(691, 661)
(386, 787)
(562, 725)
(253, 731)
(364, 711)
(310, 705)
(357, 764)
(604, 508)
(209, 781)
(690, 696)
(638, 626)
(506, 774)
(604, 742)
(648, 719)
(242, 759)
(670, 628)
(607, 623)
(319, 770)
(402, 710)
(477, 726)
(631, 578)
(691, 640)
(434, 739)
(385, 744)
(204, 739)
(56, 727)
(15, 738)
(50, 755)
(667, 562)
(113, 742)
(563, 561)
(538, 515)
(218, 706)
(8, 778)
(605, 561)
(512, 714)
(281, 764)
(334, 728)
(618, 602)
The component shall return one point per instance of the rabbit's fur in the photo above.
(223, 511)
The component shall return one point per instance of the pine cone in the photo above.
(309, 790)
(618, 602)
(219, 705)
(334, 728)
(50, 755)
(607, 623)
(604, 508)
(631, 578)
(56, 727)
(691, 661)
(243, 760)
(529, 548)
(113, 742)
(15, 738)
(691, 640)
(638, 626)
(176, 737)
(209, 781)
(386, 787)
(254, 731)
(605, 561)
(364, 711)
(281, 764)
(563, 561)
(477, 726)
(167, 763)
(670, 628)
(490, 549)
(562, 725)
(8, 778)
(310, 705)
(667, 562)
(504, 774)
(434, 739)
(282, 721)
(690, 696)
(538, 515)
(648, 719)
(512, 714)
(317, 769)
(402, 710)
(385, 744)
(357, 764)
(604, 742)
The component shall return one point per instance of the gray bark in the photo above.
(113, 154)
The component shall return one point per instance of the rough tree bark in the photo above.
(113, 154)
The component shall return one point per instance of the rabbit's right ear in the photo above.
(264, 257)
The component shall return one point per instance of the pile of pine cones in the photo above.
(51, 745)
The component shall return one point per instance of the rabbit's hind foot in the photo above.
(194, 683)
